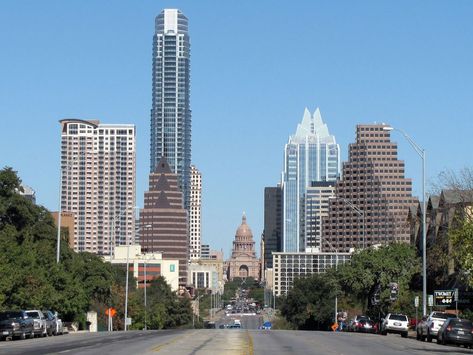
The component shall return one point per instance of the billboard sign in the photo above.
(444, 298)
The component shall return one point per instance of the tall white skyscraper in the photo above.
(170, 112)
(195, 210)
(98, 164)
(311, 155)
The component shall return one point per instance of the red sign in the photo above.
(110, 312)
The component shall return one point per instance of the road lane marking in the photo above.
(250, 343)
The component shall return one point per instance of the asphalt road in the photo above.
(247, 322)
(227, 341)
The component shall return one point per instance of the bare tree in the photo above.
(451, 180)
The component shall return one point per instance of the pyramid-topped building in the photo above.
(164, 219)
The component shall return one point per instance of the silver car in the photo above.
(54, 323)
(40, 322)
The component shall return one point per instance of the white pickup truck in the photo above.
(429, 326)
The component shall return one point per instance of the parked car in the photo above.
(354, 322)
(59, 330)
(456, 331)
(395, 323)
(365, 326)
(429, 326)
(40, 324)
(16, 324)
(53, 323)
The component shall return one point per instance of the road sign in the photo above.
(127, 321)
(444, 298)
(110, 312)
(416, 301)
(431, 300)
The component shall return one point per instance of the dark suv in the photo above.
(456, 331)
(16, 324)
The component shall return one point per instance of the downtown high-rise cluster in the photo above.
(322, 210)
(98, 166)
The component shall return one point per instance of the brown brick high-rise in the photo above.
(372, 182)
(164, 220)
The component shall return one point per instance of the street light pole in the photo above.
(336, 269)
(127, 273)
(336, 295)
(361, 213)
(145, 257)
(146, 304)
(126, 283)
(421, 152)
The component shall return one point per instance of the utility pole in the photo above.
(422, 154)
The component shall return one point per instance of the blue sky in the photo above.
(255, 66)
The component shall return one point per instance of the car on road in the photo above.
(395, 323)
(209, 325)
(54, 324)
(16, 324)
(354, 322)
(40, 323)
(428, 327)
(457, 331)
(365, 326)
(267, 325)
(236, 324)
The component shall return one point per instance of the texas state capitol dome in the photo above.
(243, 262)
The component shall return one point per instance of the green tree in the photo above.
(373, 269)
(31, 278)
(462, 243)
(165, 308)
(310, 303)
(257, 293)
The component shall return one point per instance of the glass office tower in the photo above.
(170, 113)
(310, 155)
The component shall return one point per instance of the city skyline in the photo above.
(239, 103)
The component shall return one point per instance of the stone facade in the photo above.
(243, 262)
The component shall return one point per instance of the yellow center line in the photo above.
(250, 343)
(172, 341)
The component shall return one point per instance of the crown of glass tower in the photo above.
(170, 112)
(311, 155)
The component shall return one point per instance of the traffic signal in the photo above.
(393, 291)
